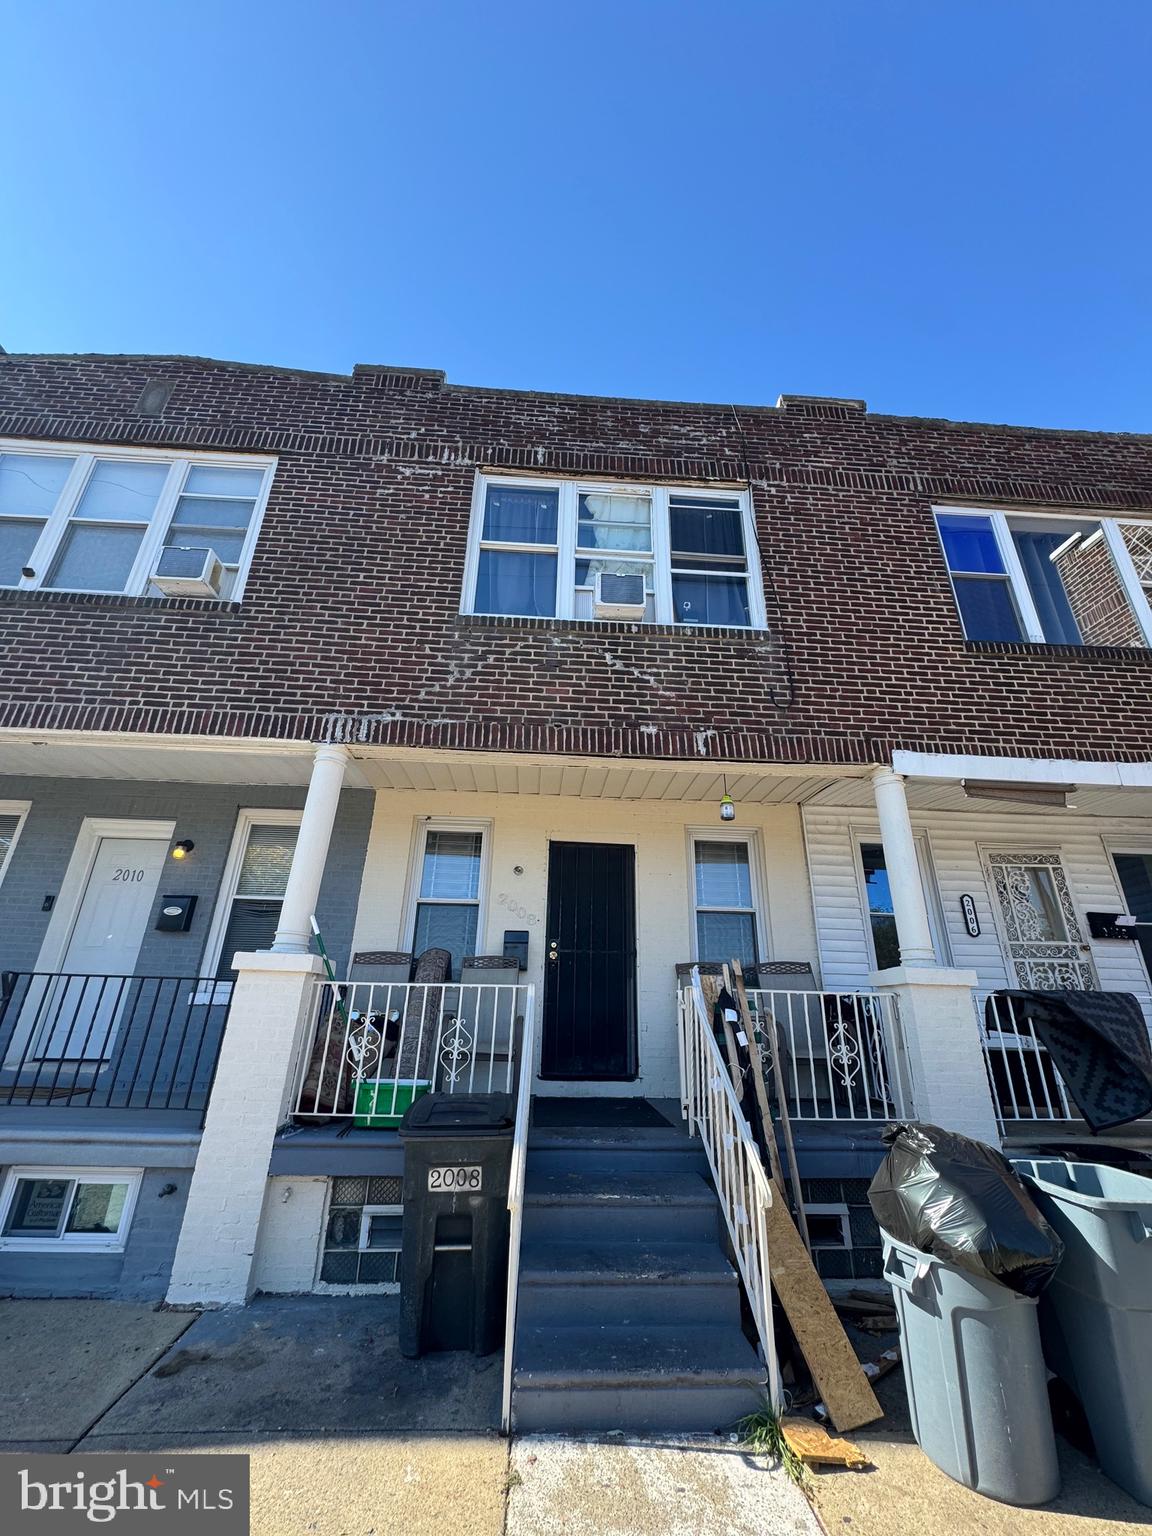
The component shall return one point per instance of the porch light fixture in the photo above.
(183, 848)
(727, 805)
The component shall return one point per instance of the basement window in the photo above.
(1061, 580)
(79, 519)
(829, 1226)
(362, 1235)
(56, 1209)
(537, 548)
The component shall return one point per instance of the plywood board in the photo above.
(838, 1375)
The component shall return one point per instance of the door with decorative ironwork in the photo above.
(1044, 945)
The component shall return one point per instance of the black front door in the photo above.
(590, 962)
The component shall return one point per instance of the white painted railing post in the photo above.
(942, 1041)
(294, 930)
(904, 881)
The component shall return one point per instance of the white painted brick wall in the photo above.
(938, 1026)
(271, 1008)
(290, 1232)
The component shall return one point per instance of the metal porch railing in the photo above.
(110, 1042)
(744, 1191)
(1023, 1077)
(840, 1054)
(516, 1202)
(375, 1046)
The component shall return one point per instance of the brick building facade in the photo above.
(345, 741)
(351, 623)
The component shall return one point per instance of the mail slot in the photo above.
(175, 915)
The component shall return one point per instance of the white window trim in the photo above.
(1017, 582)
(760, 912)
(246, 818)
(566, 551)
(842, 1212)
(70, 897)
(1137, 848)
(937, 924)
(365, 1227)
(138, 584)
(19, 809)
(72, 1242)
(412, 898)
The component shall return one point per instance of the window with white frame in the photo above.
(252, 890)
(12, 814)
(724, 890)
(1042, 577)
(446, 910)
(538, 547)
(82, 519)
(67, 1208)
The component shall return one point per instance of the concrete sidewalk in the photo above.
(346, 1437)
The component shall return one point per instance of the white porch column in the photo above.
(941, 1040)
(294, 933)
(271, 1010)
(908, 903)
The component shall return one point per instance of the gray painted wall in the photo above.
(204, 812)
(140, 1273)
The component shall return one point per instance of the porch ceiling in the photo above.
(427, 772)
(590, 781)
(175, 763)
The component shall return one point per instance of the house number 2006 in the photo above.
(127, 876)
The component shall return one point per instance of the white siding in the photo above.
(955, 840)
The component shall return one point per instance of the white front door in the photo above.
(78, 1018)
(1044, 946)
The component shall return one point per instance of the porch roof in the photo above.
(933, 783)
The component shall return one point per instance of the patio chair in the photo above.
(493, 1021)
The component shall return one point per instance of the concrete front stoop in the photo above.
(629, 1314)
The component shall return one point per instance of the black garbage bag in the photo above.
(961, 1201)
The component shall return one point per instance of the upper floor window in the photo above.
(1065, 580)
(78, 520)
(539, 546)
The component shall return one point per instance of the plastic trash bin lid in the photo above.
(459, 1114)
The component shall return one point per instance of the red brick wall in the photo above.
(351, 606)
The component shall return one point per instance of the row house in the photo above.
(366, 734)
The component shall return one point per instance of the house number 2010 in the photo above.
(128, 876)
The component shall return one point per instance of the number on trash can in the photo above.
(450, 1180)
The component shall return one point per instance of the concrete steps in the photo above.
(629, 1311)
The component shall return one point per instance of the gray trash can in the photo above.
(975, 1374)
(1096, 1316)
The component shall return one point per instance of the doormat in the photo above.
(596, 1114)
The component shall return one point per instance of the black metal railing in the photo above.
(110, 1042)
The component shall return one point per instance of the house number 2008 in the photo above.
(127, 876)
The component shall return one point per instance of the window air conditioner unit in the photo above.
(618, 597)
(184, 571)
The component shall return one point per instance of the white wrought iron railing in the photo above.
(839, 1055)
(375, 1046)
(1024, 1080)
(714, 1114)
(516, 1203)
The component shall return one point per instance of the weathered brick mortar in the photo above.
(350, 623)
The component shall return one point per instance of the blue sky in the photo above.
(942, 208)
